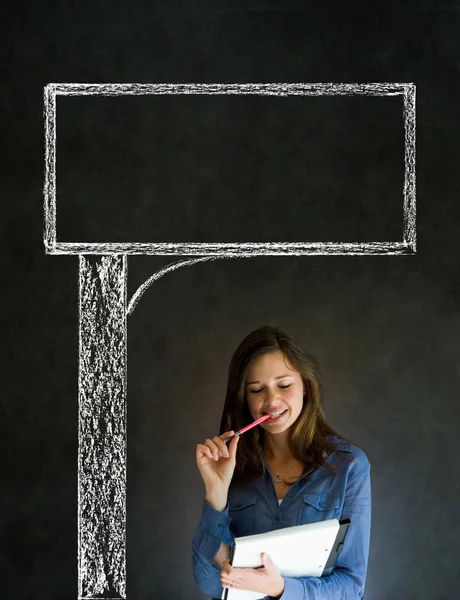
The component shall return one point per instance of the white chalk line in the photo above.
(409, 201)
(233, 249)
(49, 112)
(169, 269)
(263, 89)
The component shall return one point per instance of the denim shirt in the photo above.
(318, 495)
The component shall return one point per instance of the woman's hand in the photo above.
(216, 462)
(265, 579)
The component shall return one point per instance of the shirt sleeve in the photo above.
(349, 575)
(212, 530)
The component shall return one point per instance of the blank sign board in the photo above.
(278, 160)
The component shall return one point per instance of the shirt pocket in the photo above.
(317, 507)
(242, 511)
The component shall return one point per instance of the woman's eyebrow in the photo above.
(276, 378)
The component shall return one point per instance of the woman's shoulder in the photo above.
(348, 452)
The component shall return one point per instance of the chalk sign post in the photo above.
(104, 308)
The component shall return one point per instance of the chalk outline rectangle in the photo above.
(406, 246)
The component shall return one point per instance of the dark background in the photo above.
(385, 329)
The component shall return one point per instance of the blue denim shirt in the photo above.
(318, 495)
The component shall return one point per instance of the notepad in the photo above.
(299, 551)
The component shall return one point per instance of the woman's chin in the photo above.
(276, 428)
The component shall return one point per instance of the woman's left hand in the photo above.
(265, 579)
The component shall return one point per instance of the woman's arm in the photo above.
(222, 554)
(212, 539)
(211, 543)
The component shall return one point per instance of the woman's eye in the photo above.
(256, 391)
(284, 387)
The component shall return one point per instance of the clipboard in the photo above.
(298, 551)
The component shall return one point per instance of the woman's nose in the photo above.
(272, 397)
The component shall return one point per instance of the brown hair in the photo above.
(308, 436)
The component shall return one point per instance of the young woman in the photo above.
(292, 469)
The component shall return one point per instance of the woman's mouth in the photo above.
(277, 416)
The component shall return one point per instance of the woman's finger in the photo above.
(226, 567)
(214, 449)
(223, 449)
(233, 446)
(202, 450)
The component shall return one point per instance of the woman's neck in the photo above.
(277, 447)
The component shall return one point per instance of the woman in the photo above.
(291, 470)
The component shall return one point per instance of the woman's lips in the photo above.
(277, 419)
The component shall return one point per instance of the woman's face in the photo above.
(273, 387)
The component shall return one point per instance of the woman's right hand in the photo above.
(216, 462)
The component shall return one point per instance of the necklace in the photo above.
(278, 478)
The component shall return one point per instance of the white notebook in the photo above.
(299, 551)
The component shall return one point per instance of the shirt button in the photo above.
(277, 518)
(321, 503)
(221, 526)
(289, 494)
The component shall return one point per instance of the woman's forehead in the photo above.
(270, 365)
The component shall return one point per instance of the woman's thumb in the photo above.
(266, 560)
(233, 445)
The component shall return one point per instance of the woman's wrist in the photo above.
(278, 592)
(217, 501)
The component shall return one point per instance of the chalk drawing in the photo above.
(407, 245)
(104, 310)
(102, 426)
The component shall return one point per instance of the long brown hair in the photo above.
(308, 436)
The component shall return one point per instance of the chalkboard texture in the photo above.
(384, 328)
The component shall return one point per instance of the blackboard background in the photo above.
(385, 329)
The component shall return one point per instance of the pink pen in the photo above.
(247, 427)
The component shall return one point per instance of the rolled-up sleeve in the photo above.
(348, 578)
(212, 530)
